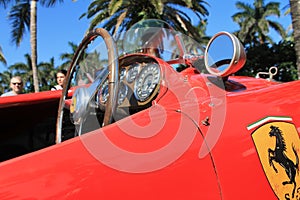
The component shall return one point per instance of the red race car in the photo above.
(153, 115)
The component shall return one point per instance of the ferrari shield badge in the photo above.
(278, 146)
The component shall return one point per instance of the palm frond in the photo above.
(20, 20)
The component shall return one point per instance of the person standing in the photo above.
(60, 77)
(16, 85)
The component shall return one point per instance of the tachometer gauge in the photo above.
(133, 72)
(147, 81)
(123, 90)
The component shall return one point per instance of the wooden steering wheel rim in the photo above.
(113, 78)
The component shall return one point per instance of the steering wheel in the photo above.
(74, 109)
(222, 62)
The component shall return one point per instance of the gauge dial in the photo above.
(147, 81)
(103, 92)
(123, 90)
(122, 73)
(133, 72)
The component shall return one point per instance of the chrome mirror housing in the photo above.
(224, 55)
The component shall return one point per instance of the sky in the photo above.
(61, 24)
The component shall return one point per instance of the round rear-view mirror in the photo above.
(224, 54)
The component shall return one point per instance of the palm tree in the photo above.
(289, 29)
(33, 43)
(201, 27)
(91, 59)
(47, 73)
(118, 15)
(24, 15)
(3, 3)
(254, 23)
(67, 57)
(5, 81)
(287, 11)
(2, 58)
(295, 13)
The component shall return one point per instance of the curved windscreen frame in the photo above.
(157, 38)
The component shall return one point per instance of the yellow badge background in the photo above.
(263, 142)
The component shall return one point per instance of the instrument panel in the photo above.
(139, 84)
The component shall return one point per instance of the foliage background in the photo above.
(261, 55)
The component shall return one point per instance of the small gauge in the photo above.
(147, 81)
(102, 94)
(133, 72)
(123, 90)
(122, 73)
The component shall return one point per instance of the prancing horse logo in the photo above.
(278, 147)
(279, 155)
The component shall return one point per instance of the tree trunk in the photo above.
(2, 58)
(295, 13)
(33, 43)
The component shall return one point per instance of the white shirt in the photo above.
(56, 87)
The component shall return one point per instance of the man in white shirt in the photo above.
(16, 84)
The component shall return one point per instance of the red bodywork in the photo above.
(231, 169)
(203, 146)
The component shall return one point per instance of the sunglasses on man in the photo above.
(16, 83)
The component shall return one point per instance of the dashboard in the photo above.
(138, 85)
